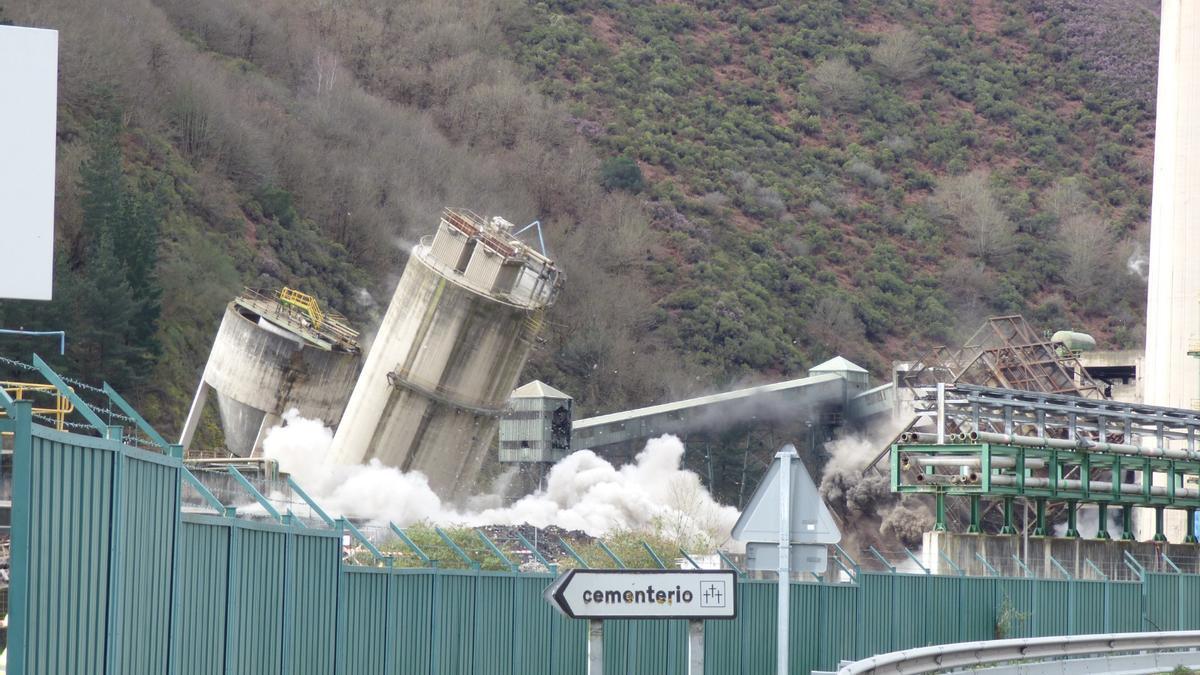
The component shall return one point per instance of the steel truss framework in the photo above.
(981, 442)
(1006, 352)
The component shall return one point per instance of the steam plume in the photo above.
(583, 491)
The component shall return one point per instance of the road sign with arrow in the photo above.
(645, 594)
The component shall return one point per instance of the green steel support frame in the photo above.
(109, 576)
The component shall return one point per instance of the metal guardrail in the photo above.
(971, 654)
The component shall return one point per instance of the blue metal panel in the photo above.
(1189, 608)
(147, 539)
(71, 500)
(1090, 608)
(203, 591)
(908, 592)
(943, 603)
(457, 602)
(1162, 601)
(412, 596)
(1052, 606)
(1126, 602)
(759, 600)
(257, 630)
(979, 603)
(366, 596)
(493, 649)
(315, 566)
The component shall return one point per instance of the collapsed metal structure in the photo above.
(1005, 352)
(984, 442)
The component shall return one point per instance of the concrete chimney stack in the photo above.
(1173, 308)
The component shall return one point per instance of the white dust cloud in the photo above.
(582, 492)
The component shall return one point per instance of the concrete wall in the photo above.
(439, 373)
(1130, 391)
(258, 374)
(1071, 553)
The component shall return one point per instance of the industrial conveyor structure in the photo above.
(982, 443)
(805, 411)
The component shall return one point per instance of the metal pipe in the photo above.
(1084, 444)
(918, 437)
(1096, 486)
(972, 461)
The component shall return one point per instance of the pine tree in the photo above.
(115, 299)
(105, 312)
(101, 178)
(138, 255)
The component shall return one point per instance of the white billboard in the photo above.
(28, 110)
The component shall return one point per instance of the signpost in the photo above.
(786, 527)
(596, 595)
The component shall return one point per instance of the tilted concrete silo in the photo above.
(456, 335)
(273, 353)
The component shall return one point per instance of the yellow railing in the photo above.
(27, 390)
(305, 303)
(533, 323)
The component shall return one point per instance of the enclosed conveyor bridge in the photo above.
(836, 388)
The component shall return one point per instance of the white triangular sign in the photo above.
(811, 522)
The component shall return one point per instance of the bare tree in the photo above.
(838, 325)
(1094, 257)
(900, 55)
(838, 84)
(968, 200)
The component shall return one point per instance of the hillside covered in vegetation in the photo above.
(736, 190)
(858, 176)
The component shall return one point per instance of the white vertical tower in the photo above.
(1173, 307)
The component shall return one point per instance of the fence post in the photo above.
(435, 632)
(231, 601)
(289, 594)
(18, 631)
(389, 618)
(175, 451)
(339, 629)
(112, 638)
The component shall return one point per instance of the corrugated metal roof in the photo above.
(837, 364)
(538, 389)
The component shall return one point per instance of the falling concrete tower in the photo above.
(275, 352)
(448, 353)
(1173, 307)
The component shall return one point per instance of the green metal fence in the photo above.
(110, 576)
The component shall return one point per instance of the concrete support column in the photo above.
(270, 421)
(194, 415)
